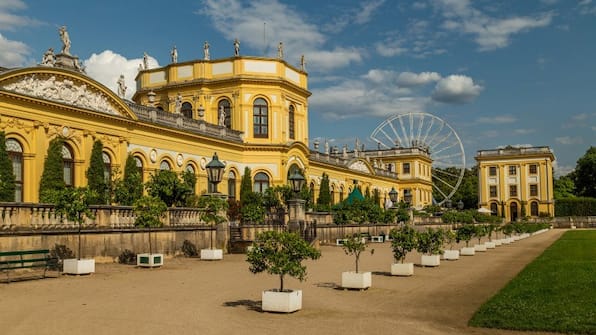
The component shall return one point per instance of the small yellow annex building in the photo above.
(251, 111)
(516, 182)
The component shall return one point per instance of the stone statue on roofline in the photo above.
(280, 50)
(145, 61)
(65, 40)
(206, 55)
(222, 116)
(121, 86)
(174, 55)
(236, 47)
(178, 103)
(49, 59)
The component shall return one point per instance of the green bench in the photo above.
(26, 259)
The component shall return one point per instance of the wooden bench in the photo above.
(26, 259)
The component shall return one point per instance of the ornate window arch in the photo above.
(225, 106)
(186, 109)
(232, 185)
(139, 164)
(260, 118)
(291, 125)
(107, 167)
(68, 165)
(15, 154)
(190, 168)
(165, 165)
(534, 208)
(261, 182)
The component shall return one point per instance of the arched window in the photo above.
(311, 192)
(186, 109)
(68, 165)
(191, 169)
(15, 154)
(260, 118)
(139, 164)
(494, 209)
(261, 182)
(164, 165)
(534, 208)
(107, 167)
(291, 122)
(341, 193)
(225, 106)
(332, 194)
(513, 211)
(232, 185)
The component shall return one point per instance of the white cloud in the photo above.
(498, 119)
(367, 10)
(490, 33)
(9, 21)
(408, 79)
(390, 48)
(236, 19)
(524, 131)
(107, 66)
(568, 140)
(456, 89)
(13, 53)
(587, 7)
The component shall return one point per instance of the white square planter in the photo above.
(498, 242)
(402, 269)
(211, 254)
(78, 266)
(468, 251)
(147, 260)
(430, 260)
(480, 247)
(490, 245)
(360, 280)
(281, 302)
(340, 241)
(376, 239)
(451, 255)
(506, 240)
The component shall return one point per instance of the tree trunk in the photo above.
(150, 248)
(357, 257)
(281, 283)
(79, 233)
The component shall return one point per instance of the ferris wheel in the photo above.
(431, 133)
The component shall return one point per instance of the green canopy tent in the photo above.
(354, 195)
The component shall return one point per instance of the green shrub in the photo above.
(575, 207)
(355, 245)
(127, 257)
(403, 241)
(430, 241)
(189, 249)
(465, 233)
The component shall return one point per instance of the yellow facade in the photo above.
(516, 182)
(176, 122)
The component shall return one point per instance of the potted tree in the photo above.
(490, 229)
(429, 244)
(403, 240)
(465, 233)
(148, 211)
(281, 254)
(498, 241)
(449, 239)
(355, 245)
(479, 233)
(73, 204)
(214, 208)
(507, 231)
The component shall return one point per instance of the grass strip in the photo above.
(556, 292)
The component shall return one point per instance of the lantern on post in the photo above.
(215, 170)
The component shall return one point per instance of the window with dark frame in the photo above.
(492, 171)
(68, 165)
(512, 170)
(15, 154)
(291, 122)
(513, 190)
(406, 168)
(533, 190)
(493, 191)
(260, 118)
(533, 169)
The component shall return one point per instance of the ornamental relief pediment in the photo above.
(359, 166)
(63, 90)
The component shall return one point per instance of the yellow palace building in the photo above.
(251, 111)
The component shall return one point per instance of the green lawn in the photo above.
(556, 292)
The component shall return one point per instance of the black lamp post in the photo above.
(215, 170)
(448, 203)
(296, 182)
(393, 196)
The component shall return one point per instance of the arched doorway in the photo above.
(513, 211)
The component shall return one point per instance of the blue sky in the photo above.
(498, 72)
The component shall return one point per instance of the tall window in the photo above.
(232, 185)
(139, 164)
(406, 168)
(15, 154)
(533, 169)
(225, 106)
(493, 191)
(291, 122)
(261, 183)
(533, 190)
(534, 208)
(341, 194)
(513, 190)
(186, 109)
(164, 165)
(107, 167)
(260, 118)
(68, 165)
(512, 170)
(493, 208)
(191, 169)
(332, 194)
(492, 171)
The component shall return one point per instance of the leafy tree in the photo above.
(465, 233)
(96, 180)
(564, 187)
(252, 211)
(74, 205)
(367, 193)
(214, 207)
(167, 186)
(324, 200)
(585, 174)
(377, 196)
(281, 254)
(355, 245)
(130, 188)
(403, 241)
(52, 178)
(7, 177)
(429, 242)
(148, 211)
(245, 185)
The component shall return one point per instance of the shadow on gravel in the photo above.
(251, 305)
(327, 285)
(382, 273)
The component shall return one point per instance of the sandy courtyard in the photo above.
(189, 296)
